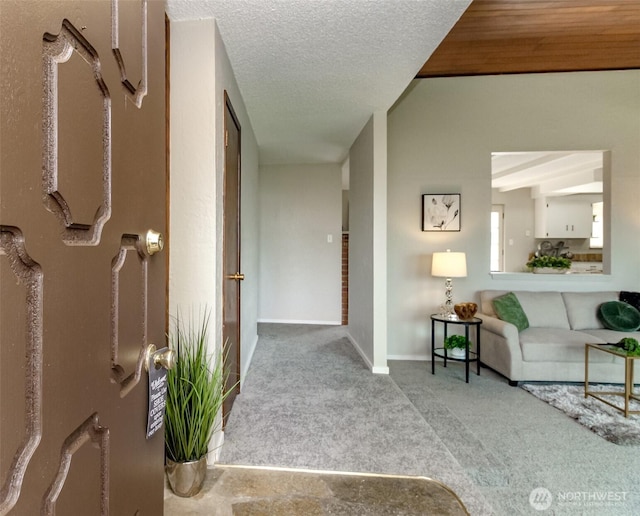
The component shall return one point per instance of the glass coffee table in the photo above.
(628, 393)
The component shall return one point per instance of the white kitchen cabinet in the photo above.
(563, 217)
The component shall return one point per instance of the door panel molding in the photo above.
(28, 274)
(89, 431)
(136, 93)
(57, 50)
(128, 266)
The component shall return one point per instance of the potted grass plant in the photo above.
(195, 394)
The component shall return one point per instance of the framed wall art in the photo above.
(441, 212)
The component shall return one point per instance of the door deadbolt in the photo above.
(154, 242)
(164, 358)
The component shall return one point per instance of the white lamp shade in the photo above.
(449, 265)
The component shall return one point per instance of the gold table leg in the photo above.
(628, 393)
(586, 371)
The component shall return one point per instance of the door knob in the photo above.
(236, 276)
(164, 358)
(154, 242)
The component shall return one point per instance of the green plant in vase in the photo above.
(457, 345)
(556, 264)
(195, 394)
(630, 345)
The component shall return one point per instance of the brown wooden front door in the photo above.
(82, 179)
(232, 274)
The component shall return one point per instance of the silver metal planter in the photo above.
(186, 478)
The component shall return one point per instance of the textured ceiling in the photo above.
(312, 72)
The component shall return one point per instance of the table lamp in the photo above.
(449, 265)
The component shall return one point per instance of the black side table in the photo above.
(469, 356)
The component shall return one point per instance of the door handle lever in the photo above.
(236, 276)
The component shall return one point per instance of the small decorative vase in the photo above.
(456, 352)
(465, 310)
(186, 478)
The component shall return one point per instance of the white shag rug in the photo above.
(592, 413)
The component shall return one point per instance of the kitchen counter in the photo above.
(587, 257)
(585, 267)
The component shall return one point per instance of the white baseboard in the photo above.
(419, 358)
(375, 370)
(251, 351)
(217, 440)
(295, 321)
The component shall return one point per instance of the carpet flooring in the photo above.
(310, 402)
(599, 417)
(514, 445)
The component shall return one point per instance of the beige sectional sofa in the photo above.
(553, 347)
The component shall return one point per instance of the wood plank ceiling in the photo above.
(531, 36)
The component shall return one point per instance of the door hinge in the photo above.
(226, 138)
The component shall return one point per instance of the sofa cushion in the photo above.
(486, 301)
(582, 308)
(508, 309)
(620, 316)
(558, 345)
(633, 298)
(544, 309)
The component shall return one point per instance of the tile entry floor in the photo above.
(253, 491)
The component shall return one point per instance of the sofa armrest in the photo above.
(501, 347)
(499, 327)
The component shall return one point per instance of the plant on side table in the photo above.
(630, 345)
(195, 394)
(457, 345)
(549, 264)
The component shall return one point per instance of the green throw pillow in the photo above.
(508, 309)
(619, 316)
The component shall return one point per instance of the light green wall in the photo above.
(367, 243)
(361, 242)
(300, 270)
(200, 74)
(441, 133)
